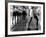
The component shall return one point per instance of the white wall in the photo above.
(2, 18)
